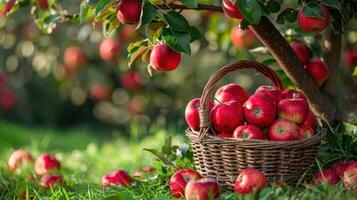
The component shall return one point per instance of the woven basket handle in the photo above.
(205, 117)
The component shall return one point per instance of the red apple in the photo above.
(50, 180)
(306, 132)
(231, 92)
(99, 92)
(18, 158)
(46, 163)
(117, 177)
(242, 38)
(227, 116)
(339, 168)
(43, 4)
(326, 176)
(283, 130)
(310, 120)
(231, 10)
(3, 80)
(292, 94)
(8, 100)
(301, 50)
(260, 110)
(74, 57)
(192, 113)
(248, 180)
(295, 110)
(179, 180)
(109, 50)
(318, 70)
(224, 135)
(310, 24)
(163, 58)
(129, 11)
(132, 80)
(7, 8)
(350, 58)
(146, 169)
(350, 176)
(203, 189)
(248, 132)
(271, 91)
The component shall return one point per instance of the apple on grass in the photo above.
(231, 10)
(145, 170)
(129, 11)
(339, 168)
(231, 92)
(18, 158)
(314, 24)
(192, 113)
(350, 176)
(306, 131)
(283, 130)
(248, 132)
(179, 180)
(109, 50)
(203, 189)
(50, 180)
(260, 110)
(46, 163)
(163, 58)
(248, 180)
(117, 177)
(326, 176)
(295, 110)
(271, 91)
(318, 70)
(301, 50)
(227, 116)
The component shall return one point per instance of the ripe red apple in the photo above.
(7, 8)
(8, 101)
(301, 50)
(248, 180)
(129, 11)
(227, 116)
(294, 110)
(350, 58)
(350, 176)
(74, 58)
(310, 120)
(117, 177)
(306, 131)
(283, 130)
(224, 135)
(231, 10)
(203, 189)
(326, 176)
(242, 38)
(3, 80)
(43, 4)
(260, 110)
(131, 80)
(99, 92)
(271, 91)
(339, 168)
(50, 180)
(163, 58)
(18, 158)
(231, 92)
(192, 113)
(179, 180)
(109, 50)
(310, 24)
(248, 132)
(318, 70)
(46, 163)
(292, 94)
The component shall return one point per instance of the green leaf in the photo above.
(288, 14)
(167, 148)
(354, 71)
(177, 22)
(178, 41)
(110, 24)
(85, 12)
(251, 10)
(190, 3)
(273, 6)
(313, 11)
(92, 3)
(195, 34)
(135, 49)
(101, 5)
(148, 14)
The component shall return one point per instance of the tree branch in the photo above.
(294, 69)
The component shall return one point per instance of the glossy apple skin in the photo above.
(129, 11)
(312, 24)
(231, 10)
(248, 132)
(295, 110)
(242, 38)
(50, 180)
(301, 50)
(117, 177)
(260, 110)
(179, 180)
(306, 131)
(163, 58)
(99, 92)
(203, 189)
(224, 135)
(74, 58)
(18, 158)
(227, 116)
(109, 50)
(231, 92)
(192, 115)
(43, 4)
(350, 58)
(248, 180)
(132, 80)
(283, 130)
(292, 94)
(271, 91)
(46, 163)
(326, 176)
(310, 120)
(350, 176)
(318, 70)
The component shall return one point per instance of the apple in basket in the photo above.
(310, 120)
(231, 92)
(292, 94)
(260, 110)
(306, 131)
(224, 135)
(227, 116)
(179, 180)
(203, 189)
(248, 132)
(295, 110)
(248, 180)
(192, 113)
(283, 130)
(271, 91)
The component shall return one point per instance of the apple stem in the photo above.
(217, 100)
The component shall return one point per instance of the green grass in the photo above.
(86, 155)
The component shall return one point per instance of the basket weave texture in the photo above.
(222, 159)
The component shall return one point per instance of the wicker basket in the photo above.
(222, 159)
